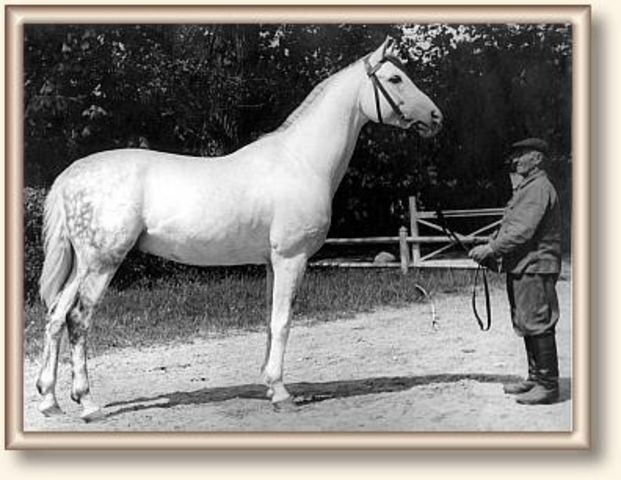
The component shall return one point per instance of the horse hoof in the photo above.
(285, 405)
(92, 414)
(50, 410)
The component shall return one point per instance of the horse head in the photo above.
(390, 96)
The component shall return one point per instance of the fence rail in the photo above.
(409, 239)
(410, 242)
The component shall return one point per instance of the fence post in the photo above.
(404, 250)
(414, 230)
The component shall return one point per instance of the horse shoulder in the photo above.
(302, 211)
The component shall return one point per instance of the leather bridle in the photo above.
(379, 88)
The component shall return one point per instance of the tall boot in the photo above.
(546, 360)
(530, 381)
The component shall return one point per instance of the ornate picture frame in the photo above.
(578, 438)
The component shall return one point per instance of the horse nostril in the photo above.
(436, 117)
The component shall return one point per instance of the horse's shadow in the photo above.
(310, 392)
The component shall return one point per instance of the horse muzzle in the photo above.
(426, 130)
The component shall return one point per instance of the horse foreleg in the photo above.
(269, 287)
(56, 317)
(288, 273)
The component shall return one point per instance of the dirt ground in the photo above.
(383, 371)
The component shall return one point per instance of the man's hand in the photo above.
(481, 253)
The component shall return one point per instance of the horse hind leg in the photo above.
(99, 243)
(78, 323)
(56, 317)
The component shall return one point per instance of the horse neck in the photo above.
(324, 137)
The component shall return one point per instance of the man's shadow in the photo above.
(310, 392)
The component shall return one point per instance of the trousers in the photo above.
(533, 302)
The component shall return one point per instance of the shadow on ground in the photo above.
(308, 392)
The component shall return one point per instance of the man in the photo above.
(528, 244)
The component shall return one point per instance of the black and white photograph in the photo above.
(326, 227)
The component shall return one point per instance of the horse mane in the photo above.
(304, 106)
(310, 99)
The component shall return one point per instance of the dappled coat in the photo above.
(529, 238)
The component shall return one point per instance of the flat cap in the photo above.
(532, 144)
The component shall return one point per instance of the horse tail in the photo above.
(59, 253)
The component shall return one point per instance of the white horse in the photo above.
(267, 203)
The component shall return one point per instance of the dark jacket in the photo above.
(529, 238)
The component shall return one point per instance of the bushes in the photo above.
(34, 199)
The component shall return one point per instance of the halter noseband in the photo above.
(378, 87)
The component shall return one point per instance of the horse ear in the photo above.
(386, 46)
(390, 46)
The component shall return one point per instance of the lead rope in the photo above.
(488, 306)
(481, 270)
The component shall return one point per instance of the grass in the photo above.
(185, 306)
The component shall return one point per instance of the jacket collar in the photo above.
(531, 178)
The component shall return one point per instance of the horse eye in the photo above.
(395, 79)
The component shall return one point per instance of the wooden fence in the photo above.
(410, 242)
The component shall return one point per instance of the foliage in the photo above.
(33, 246)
